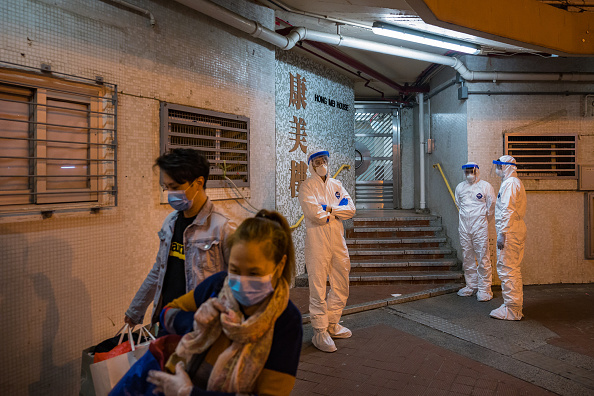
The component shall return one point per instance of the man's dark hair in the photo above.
(184, 165)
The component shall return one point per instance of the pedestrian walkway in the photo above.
(448, 345)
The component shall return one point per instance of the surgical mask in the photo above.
(470, 178)
(178, 199)
(499, 172)
(322, 170)
(250, 290)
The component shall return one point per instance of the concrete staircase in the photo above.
(395, 247)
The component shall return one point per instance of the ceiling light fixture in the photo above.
(416, 36)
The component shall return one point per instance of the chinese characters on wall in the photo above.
(298, 130)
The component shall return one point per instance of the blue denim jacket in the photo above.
(206, 254)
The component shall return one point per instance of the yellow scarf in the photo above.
(238, 367)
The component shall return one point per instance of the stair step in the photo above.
(379, 241)
(386, 229)
(383, 278)
(405, 276)
(404, 264)
(385, 252)
(396, 218)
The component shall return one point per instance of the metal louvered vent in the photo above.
(543, 156)
(222, 138)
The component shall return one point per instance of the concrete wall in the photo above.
(555, 217)
(446, 123)
(407, 149)
(328, 128)
(66, 281)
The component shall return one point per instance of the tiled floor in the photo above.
(551, 351)
(381, 360)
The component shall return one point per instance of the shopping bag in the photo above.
(134, 382)
(86, 380)
(107, 373)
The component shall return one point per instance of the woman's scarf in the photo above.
(238, 367)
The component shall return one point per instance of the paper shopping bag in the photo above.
(106, 374)
(86, 380)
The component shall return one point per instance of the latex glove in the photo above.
(171, 384)
(343, 202)
(323, 207)
(500, 241)
(326, 208)
(208, 312)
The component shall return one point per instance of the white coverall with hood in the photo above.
(511, 232)
(326, 253)
(476, 204)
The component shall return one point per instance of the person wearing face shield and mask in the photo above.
(475, 199)
(510, 210)
(325, 203)
(192, 238)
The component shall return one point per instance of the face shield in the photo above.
(470, 171)
(499, 164)
(319, 162)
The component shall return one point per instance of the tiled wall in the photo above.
(328, 128)
(66, 282)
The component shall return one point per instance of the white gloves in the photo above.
(500, 241)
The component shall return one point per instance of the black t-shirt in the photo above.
(174, 284)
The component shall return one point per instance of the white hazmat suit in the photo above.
(476, 203)
(325, 204)
(511, 235)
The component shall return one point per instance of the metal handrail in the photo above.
(336, 174)
(438, 166)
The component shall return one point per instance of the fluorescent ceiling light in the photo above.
(416, 36)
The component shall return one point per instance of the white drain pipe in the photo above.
(421, 151)
(255, 29)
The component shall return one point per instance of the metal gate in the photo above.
(377, 157)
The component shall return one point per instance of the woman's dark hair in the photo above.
(184, 165)
(271, 228)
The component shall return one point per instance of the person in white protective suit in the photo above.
(325, 203)
(475, 199)
(511, 235)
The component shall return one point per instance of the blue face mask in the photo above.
(250, 290)
(178, 199)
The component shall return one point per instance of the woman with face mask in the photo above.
(241, 333)
(475, 199)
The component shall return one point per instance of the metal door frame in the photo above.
(368, 107)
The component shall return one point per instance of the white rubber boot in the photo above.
(337, 331)
(323, 341)
(466, 291)
(484, 296)
(506, 313)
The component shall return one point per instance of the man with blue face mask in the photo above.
(325, 203)
(192, 238)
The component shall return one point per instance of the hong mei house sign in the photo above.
(331, 102)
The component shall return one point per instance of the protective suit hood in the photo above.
(311, 168)
(508, 170)
(477, 172)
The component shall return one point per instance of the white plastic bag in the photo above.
(107, 373)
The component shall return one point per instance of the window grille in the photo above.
(223, 138)
(57, 142)
(543, 156)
